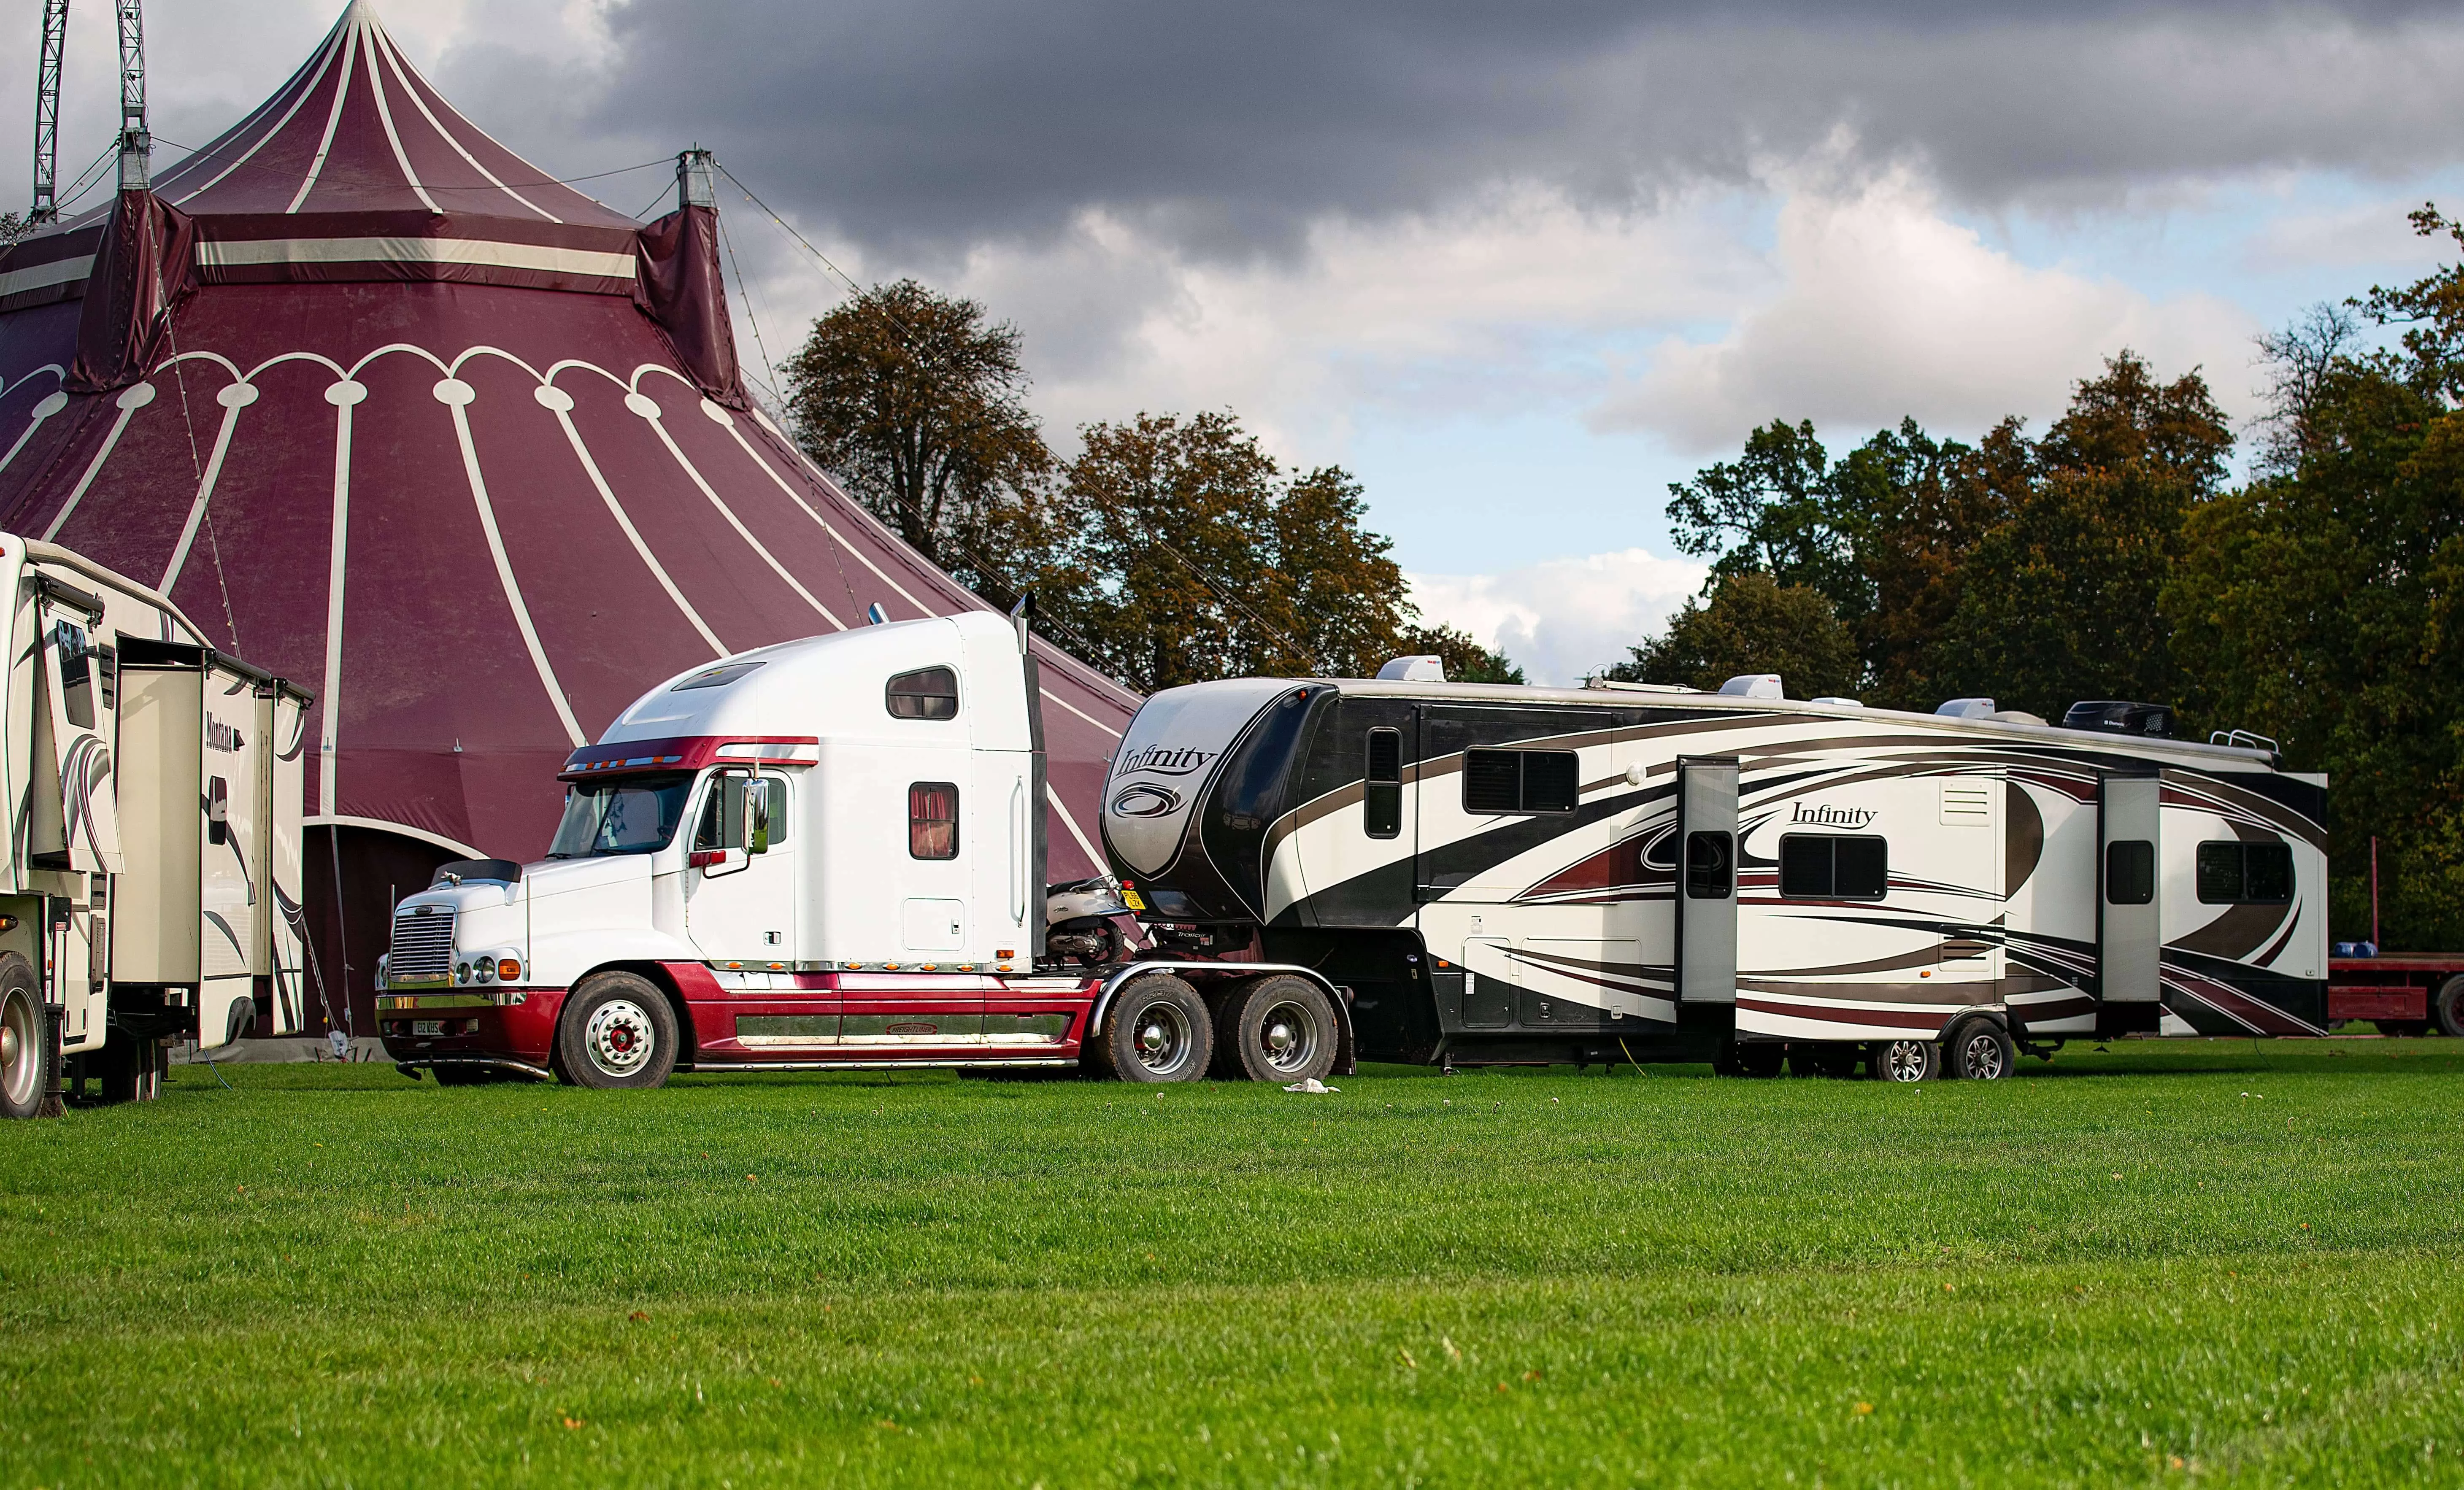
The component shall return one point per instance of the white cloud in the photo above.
(1888, 308)
(1565, 617)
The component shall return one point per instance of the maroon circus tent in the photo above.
(452, 445)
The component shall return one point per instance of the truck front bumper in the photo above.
(503, 1026)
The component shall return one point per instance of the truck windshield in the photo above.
(623, 815)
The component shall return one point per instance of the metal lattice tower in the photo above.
(136, 141)
(47, 113)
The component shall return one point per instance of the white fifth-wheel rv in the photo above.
(151, 890)
(1526, 874)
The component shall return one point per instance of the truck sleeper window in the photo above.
(621, 814)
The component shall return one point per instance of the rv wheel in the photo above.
(1158, 1030)
(616, 1030)
(1979, 1050)
(1908, 1061)
(2449, 1006)
(25, 1038)
(1277, 1029)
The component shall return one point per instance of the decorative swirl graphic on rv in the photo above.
(84, 776)
(1145, 801)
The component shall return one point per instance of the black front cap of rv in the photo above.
(1220, 874)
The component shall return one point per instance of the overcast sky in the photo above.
(1517, 266)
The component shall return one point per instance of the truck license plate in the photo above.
(428, 1026)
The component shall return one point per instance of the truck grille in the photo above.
(423, 948)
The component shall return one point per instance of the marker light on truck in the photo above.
(508, 970)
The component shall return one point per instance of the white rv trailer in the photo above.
(1506, 874)
(152, 885)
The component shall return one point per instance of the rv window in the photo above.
(2232, 873)
(1381, 791)
(1827, 866)
(1521, 781)
(2129, 872)
(1709, 874)
(77, 679)
(929, 693)
(933, 820)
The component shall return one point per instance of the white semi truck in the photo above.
(151, 890)
(826, 854)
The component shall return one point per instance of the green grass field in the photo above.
(2178, 1263)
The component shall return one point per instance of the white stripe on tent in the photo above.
(344, 396)
(1080, 712)
(504, 565)
(242, 253)
(51, 403)
(1071, 824)
(658, 571)
(232, 406)
(835, 535)
(384, 116)
(728, 513)
(135, 398)
(410, 90)
(333, 120)
(324, 60)
(59, 272)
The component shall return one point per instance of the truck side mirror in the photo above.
(756, 816)
(217, 810)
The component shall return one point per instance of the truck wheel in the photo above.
(1978, 1050)
(25, 1038)
(2447, 1007)
(1906, 1060)
(1158, 1030)
(1277, 1029)
(616, 1030)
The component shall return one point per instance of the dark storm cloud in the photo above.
(926, 122)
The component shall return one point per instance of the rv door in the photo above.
(1706, 879)
(2129, 928)
(83, 700)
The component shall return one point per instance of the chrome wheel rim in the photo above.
(20, 1053)
(1904, 1061)
(1287, 1038)
(1984, 1057)
(1160, 1036)
(620, 1037)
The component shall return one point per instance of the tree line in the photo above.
(1171, 549)
(2315, 603)
(2114, 556)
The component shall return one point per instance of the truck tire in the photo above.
(1906, 1060)
(2447, 1006)
(1280, 1028)
(26, 1053)
(617, 1031)
(1978, 1050)
(1158, 1030)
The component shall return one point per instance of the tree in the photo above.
(1179, 554)
(1750, 623)
(1774, 511)
(2321, 604)
(2059, 599)
(918, 403)
(1465, 660)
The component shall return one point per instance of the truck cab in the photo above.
(869, 801)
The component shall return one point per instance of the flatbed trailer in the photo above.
(2404, 993)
